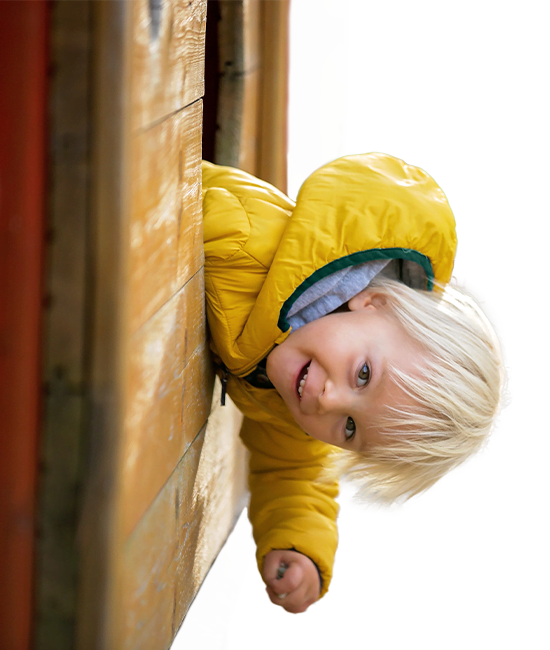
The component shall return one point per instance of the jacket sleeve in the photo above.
(290, 508)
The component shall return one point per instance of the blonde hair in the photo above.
(456, 392)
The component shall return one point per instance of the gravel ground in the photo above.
(206, 624)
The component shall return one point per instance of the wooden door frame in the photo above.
(23, 86)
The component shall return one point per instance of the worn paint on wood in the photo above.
(160, 501)
(167, 58)
(151, 557)
(219, 494)
(168, 396)
(190, 247)
(165, 228)
(171, 549)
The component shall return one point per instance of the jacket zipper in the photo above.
(224, 378)
(262, 378)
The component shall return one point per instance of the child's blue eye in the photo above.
(350, 428)
(363, 376)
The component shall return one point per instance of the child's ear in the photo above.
(368, 298)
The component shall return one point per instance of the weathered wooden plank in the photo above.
(190, 248)
(168, 57)
(155, 209)
(149, 559)
(165, 229)
(168, 397)
(239, 62)
(239, 36)
(172, 547)
(249, 141)
(159, 503)
(57, 581)
(273, 134)
(219, 495)
(69, 172)
(252, 33)
(65, 320)
(99, 538)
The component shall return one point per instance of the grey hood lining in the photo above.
(332, 291)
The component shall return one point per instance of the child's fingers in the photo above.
(276, 599)
(291, 579)
(295, 603)
(283, 578)
(272, 565)
(281, 572)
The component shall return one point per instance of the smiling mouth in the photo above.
(301, 380)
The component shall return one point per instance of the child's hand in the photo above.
(295, 587)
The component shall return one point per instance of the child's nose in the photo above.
(331, 398)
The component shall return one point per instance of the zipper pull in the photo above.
(224, 378)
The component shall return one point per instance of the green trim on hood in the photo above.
(353, 260)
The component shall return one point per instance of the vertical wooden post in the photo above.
(23, 62)
(66, 331)
(272, 155)
(239, 61)
(100, 528)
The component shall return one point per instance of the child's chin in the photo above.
(295, 415)
(300, 422)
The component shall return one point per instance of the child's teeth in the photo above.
(302, 383)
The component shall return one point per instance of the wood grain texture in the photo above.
(167, 396)
(66, 327)
(249, 144)
(273, 119)
(228, 135)
(98, 606)
(168, 58)
(172, 547)
(240, 81)
(149, 562)
(57, 576)
(165, 228)
(162, 494)
(190, 246)
(219, 495)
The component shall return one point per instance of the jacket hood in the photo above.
(355, 209)
(352, 210)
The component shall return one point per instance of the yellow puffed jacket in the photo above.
(262, 252)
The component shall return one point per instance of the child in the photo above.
(326, 329)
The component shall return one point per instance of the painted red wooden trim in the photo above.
(23, 76)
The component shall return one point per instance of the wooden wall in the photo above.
(175, 485)
(132, 451)
(142, 472)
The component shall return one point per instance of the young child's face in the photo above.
(333, 372)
